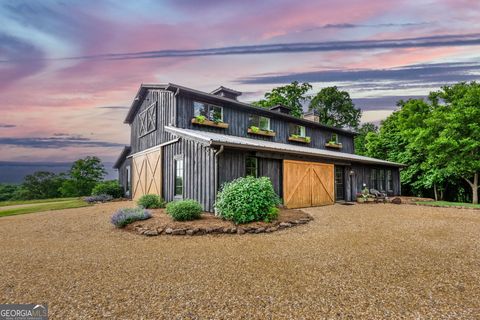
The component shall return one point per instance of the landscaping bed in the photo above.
(163, 224)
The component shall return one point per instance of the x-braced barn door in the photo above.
(308, 184)
(147, 174)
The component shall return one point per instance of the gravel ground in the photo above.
(352, 262)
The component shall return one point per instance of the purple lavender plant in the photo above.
(126, 216)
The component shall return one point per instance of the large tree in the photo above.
(83, 176)
(360, 139)
(291, 95)
(455, 126)
(438, 139)
(336, 108)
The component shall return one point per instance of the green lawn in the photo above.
(40, 205)
(15, 202)
(449, 204)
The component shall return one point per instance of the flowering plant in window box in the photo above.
(261, 132)
(298, 138)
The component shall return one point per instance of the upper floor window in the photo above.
(148, 120)
(297, 130)
(209, 111)
(251, 166)
(263, 123)
(334, 138)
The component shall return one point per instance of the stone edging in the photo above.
(221, 230)
(432, 205)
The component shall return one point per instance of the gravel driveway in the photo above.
(353, 262)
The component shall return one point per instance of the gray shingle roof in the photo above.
(211, 138)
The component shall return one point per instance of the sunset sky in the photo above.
(70, 69)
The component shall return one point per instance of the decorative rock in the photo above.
(178, 231)
(285, 225)
(226, 230)
(272, 229)
(159, 230)
(199, 231)
(260, 230)
(396, 201)
(240, 230)
(190, 232)
(233, 230)
(168, 231)
(208, 230)
(151, 233)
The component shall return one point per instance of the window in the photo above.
(263, 123)
(377, 179)
(127, 180)
(389, 181)
(178, 178)
(339, 184)
(148, 120)
(334, 138)
(295, 129)
(209, 111)
(251, 166)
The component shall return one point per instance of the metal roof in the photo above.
(123, 155)
(213, 139)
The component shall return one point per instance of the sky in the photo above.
(69, 70)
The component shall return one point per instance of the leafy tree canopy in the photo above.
(291, 95)
(438, 139)
(360, 139)
(41, 185)
(336, 108)
(83, 176)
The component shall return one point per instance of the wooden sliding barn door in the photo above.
(308, 184)
(147, 174)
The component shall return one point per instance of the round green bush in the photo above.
(151, 201)
(184, 210)
(111, 187)
(247, 199)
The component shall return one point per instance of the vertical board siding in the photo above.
(238, 121)
(122, 173)
(198, 175)
(165, 103)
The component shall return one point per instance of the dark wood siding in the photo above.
(362, 173)
(232, 166)
(238, 121)
(122, 173)
(165, 104)
(199, 172)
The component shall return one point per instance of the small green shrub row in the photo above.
(111, 188)
(184, 210)
(247, 199)
(151, 201)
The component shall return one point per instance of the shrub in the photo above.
(98, 198)
(151, 201)
(111, 187)
(126, 216)
(247, 199)
(184, 210)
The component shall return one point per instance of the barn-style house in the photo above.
(186, 143)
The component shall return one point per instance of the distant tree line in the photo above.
(83, 177)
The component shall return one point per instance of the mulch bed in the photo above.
(163, 224)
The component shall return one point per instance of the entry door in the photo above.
(147, 174)
(308, 184)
